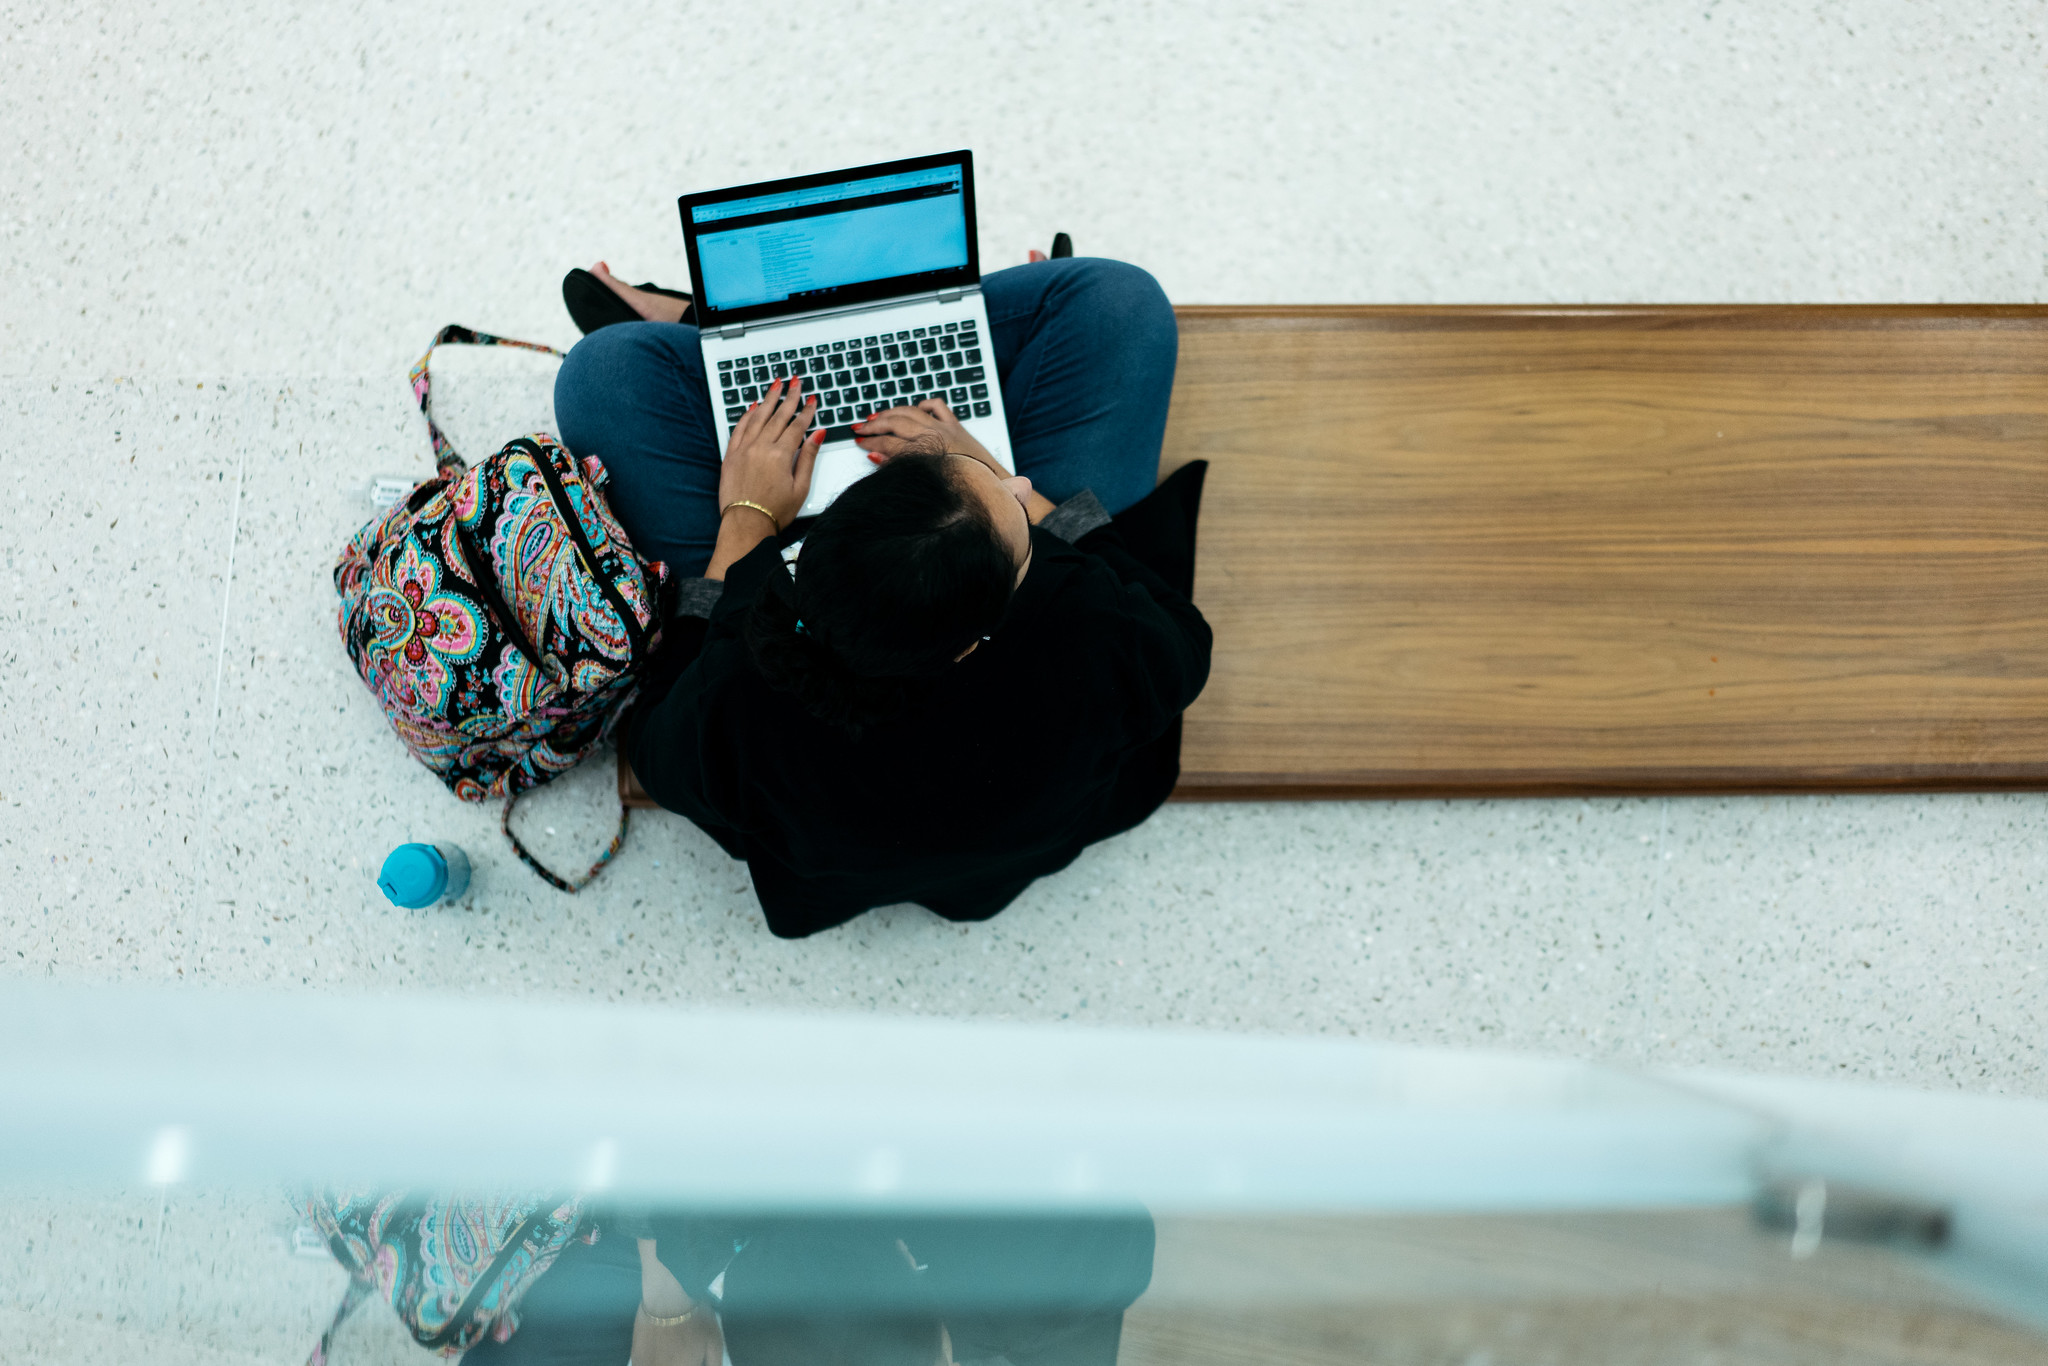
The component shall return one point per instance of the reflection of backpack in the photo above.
(453, 1269)
(500, 616)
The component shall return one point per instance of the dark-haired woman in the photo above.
(969, 676)
(873, 1289)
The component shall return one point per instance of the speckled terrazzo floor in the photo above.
(226, 232)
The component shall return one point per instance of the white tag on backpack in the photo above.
(389, 490)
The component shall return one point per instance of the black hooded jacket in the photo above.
(1061, 730)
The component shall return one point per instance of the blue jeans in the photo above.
(1084, 349)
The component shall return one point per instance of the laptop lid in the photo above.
(823, 241)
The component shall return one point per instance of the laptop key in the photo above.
(971, 357)
(870, 392)
(735, 414)
(731, 396)
(948, 343)
(749, 394)
(978, 391)
(971, 375)
(983, 408)
(928, 345)
(959, 398)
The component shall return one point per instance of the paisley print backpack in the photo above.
(453, 1267)
(500, 616)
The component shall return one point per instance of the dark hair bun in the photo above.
(902, 573)
(797, 662)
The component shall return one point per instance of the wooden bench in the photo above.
(1496, 551)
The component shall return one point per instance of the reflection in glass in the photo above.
(219, 1277)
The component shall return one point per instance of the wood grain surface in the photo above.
(1464, 551)
(1475, 551)
(1612, 1287)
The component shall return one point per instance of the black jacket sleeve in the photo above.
(660, 737)
(1167, 637)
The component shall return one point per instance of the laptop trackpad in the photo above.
(839, 464)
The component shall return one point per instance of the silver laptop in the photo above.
(865, 282)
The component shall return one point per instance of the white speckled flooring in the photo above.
(226, 231)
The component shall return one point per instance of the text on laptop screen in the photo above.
(784, 246)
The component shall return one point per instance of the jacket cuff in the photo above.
(1076, 517)
(696, 597)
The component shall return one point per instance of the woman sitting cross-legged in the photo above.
(961, 682)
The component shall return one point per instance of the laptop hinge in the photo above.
(949, 295)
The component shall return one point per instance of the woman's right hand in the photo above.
(769, 460)
(930, 426)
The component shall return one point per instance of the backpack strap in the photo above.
(562, 883)
(358, 1287)
(635, 637)
(445, 459)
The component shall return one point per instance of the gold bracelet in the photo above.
(773, 520)
(660, 1322)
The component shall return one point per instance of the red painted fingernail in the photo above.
(875, 458)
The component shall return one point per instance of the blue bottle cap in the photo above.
(414, 876)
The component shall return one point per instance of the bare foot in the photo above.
(656, 308)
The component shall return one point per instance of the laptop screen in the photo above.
(817, 241)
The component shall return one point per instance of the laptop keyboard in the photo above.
(859, 377)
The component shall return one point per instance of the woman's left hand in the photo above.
(769, 459)
(694, 1342)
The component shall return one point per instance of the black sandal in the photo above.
(593, 304)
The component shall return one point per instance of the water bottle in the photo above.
(418, 875)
